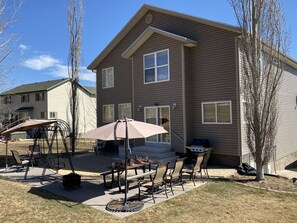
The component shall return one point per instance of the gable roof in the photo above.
(140, 13)
(44, 86)
(91, 90)
(147, 34)
(36, 87)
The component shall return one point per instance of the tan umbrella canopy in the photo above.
(29, 124)
(125, 129)
(26, 125)
(136, 130)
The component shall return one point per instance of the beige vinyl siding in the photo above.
(58, 101)
(286, 141)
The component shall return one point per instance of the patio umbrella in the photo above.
(26, 125)
(125, 129)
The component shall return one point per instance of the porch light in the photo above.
(139, 108)
(173, 106)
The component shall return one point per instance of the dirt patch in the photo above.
(274, 183)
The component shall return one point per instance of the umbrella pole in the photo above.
(6, 149)
(126, 148)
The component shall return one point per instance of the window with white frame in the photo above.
(53, 115)
(108, 113)
(216, 112)
(156, 66)
(124, 110)
(108, 77)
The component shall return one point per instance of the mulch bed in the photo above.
(273, 183)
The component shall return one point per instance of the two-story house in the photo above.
(49, 100)
(183, 72)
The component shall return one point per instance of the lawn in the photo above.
(218, 201)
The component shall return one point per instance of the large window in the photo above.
(108, 77)
(156, 66)
(159, 115)
(216, 112)
(108, 113)
(125, 110)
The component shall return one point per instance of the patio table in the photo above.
(119, 169)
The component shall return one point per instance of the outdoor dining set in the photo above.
(153, 178)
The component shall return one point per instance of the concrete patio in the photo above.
(92, 191)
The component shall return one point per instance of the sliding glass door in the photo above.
(158, 115)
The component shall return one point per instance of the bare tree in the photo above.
(263, 46)
(75, 25)
(8, 11)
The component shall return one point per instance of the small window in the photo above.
(108, 113)
(53, 115)
(216, 112)
(25, 98)
(39, 96)
(156, 66)
(125, 110)
(108, 77)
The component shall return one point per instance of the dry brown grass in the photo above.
(219, 201)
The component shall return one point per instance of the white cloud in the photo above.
(60, 70)
(55, 68)
(23, 47)
(41, 62)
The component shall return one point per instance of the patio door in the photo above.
(158, 115)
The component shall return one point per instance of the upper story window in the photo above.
(124, 110)
(7, 100)
(108, 77)
(156, 66)
(216, 112)
(25, 98)
(39, 96)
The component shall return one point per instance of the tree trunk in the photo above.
(260, 172)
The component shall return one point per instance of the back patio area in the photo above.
(92, 191)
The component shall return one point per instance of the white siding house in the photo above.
(49, 100)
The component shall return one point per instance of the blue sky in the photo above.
(41, 51)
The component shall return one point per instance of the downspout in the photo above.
(238, 98)
(133, 94)
(97, 93)
(183, 95)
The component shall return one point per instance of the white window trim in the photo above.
(169, 131)
(112, 77)
(155, 67)
(129, 103)
(216, 122)
(55, 115)
(103, 113)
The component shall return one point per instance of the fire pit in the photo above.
(71, 180)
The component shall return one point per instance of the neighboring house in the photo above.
(49, 100)
(183, 72)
